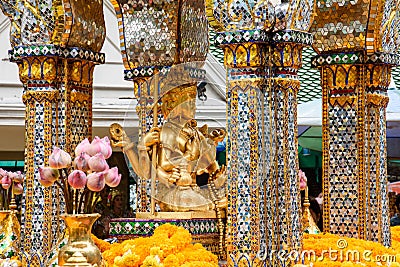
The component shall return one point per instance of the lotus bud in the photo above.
(81, 162)
(303, 180)
(48, 176)
(95, 147)
(98, 163)
(17, 189)
(107, 150)
(6, 182)
(77, 179)
(59, 159)
(19, 178)
(12, 175)
(45, 183)
(95, 181)
(112, 177)
(82, 147)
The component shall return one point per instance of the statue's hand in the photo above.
(218, 135)
(118, 136)
(152, 137)
(121, 143)
(220, 177)
(222, 203)
(175, 176)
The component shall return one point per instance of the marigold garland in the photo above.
(170, 246)
(325, 242)
(101, 244)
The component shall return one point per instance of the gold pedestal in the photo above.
(179, 215)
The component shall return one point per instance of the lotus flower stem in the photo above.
(76, 192)
(81, 200)
(7, 198)
(64, 190)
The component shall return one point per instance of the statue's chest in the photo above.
(173, 139)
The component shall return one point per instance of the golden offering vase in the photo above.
(80, 249)
(9, 234)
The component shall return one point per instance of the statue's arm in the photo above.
(120, 139)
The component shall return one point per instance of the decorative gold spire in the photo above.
(309, 225)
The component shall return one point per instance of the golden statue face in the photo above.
(179, 104)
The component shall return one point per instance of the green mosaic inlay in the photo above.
(196, 227)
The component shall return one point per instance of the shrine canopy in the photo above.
(310, 122)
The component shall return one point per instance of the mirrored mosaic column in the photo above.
(155, 36)
(58, 97)
(42, 99)
(262, 44)
(354, 146)
(283, 192)
(357, 43)
(56, 45)
(246, 112)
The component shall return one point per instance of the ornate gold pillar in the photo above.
(283, 183)
(262, 45)
(156, 38)
(56, 46)
(246, 113)
(357, 45)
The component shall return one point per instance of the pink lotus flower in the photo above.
(98, 163)
(6, 182)
(81, 162)
(303, 180)
(82, 147)
(18, 178)
(77, 179)
(17, 189)
(59, 159)
(12, 175)
(112, 177)
(48, 176)
(394, 187)
(2, 173)
(95, 181)
(107, 152)
(100, 146)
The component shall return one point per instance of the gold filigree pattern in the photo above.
(38, 68)
(40, 97)
(342, 101)
(287, 55)
(245, 55)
